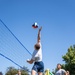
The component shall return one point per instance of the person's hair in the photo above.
(59, 64)
(68, 72)
(37, 46)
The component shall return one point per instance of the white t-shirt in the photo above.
(37, 54)
(60, 72)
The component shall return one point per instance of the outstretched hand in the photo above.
(40, 28)
(30, 61)
(39, 35)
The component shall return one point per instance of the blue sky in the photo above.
(57, 17)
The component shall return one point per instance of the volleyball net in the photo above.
(11, 48)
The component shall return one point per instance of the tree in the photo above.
(11, 71)
(24, 71)
(69, 59)
(14, 71)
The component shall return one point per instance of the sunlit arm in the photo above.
(39, 35)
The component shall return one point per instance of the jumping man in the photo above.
(38, 66)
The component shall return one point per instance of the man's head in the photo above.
(37, 46)
(58, 66)
(68, 73)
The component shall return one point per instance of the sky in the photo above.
(57, 18)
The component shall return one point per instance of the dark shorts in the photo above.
(38, 66)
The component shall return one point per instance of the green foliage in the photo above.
(13, 71)
(69, 59)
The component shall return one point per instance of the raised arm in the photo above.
(39, 35)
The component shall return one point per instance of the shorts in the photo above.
(38, 66)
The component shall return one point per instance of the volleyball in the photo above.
(35, 25)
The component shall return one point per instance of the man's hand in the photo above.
(40, 28)
(30, 61)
